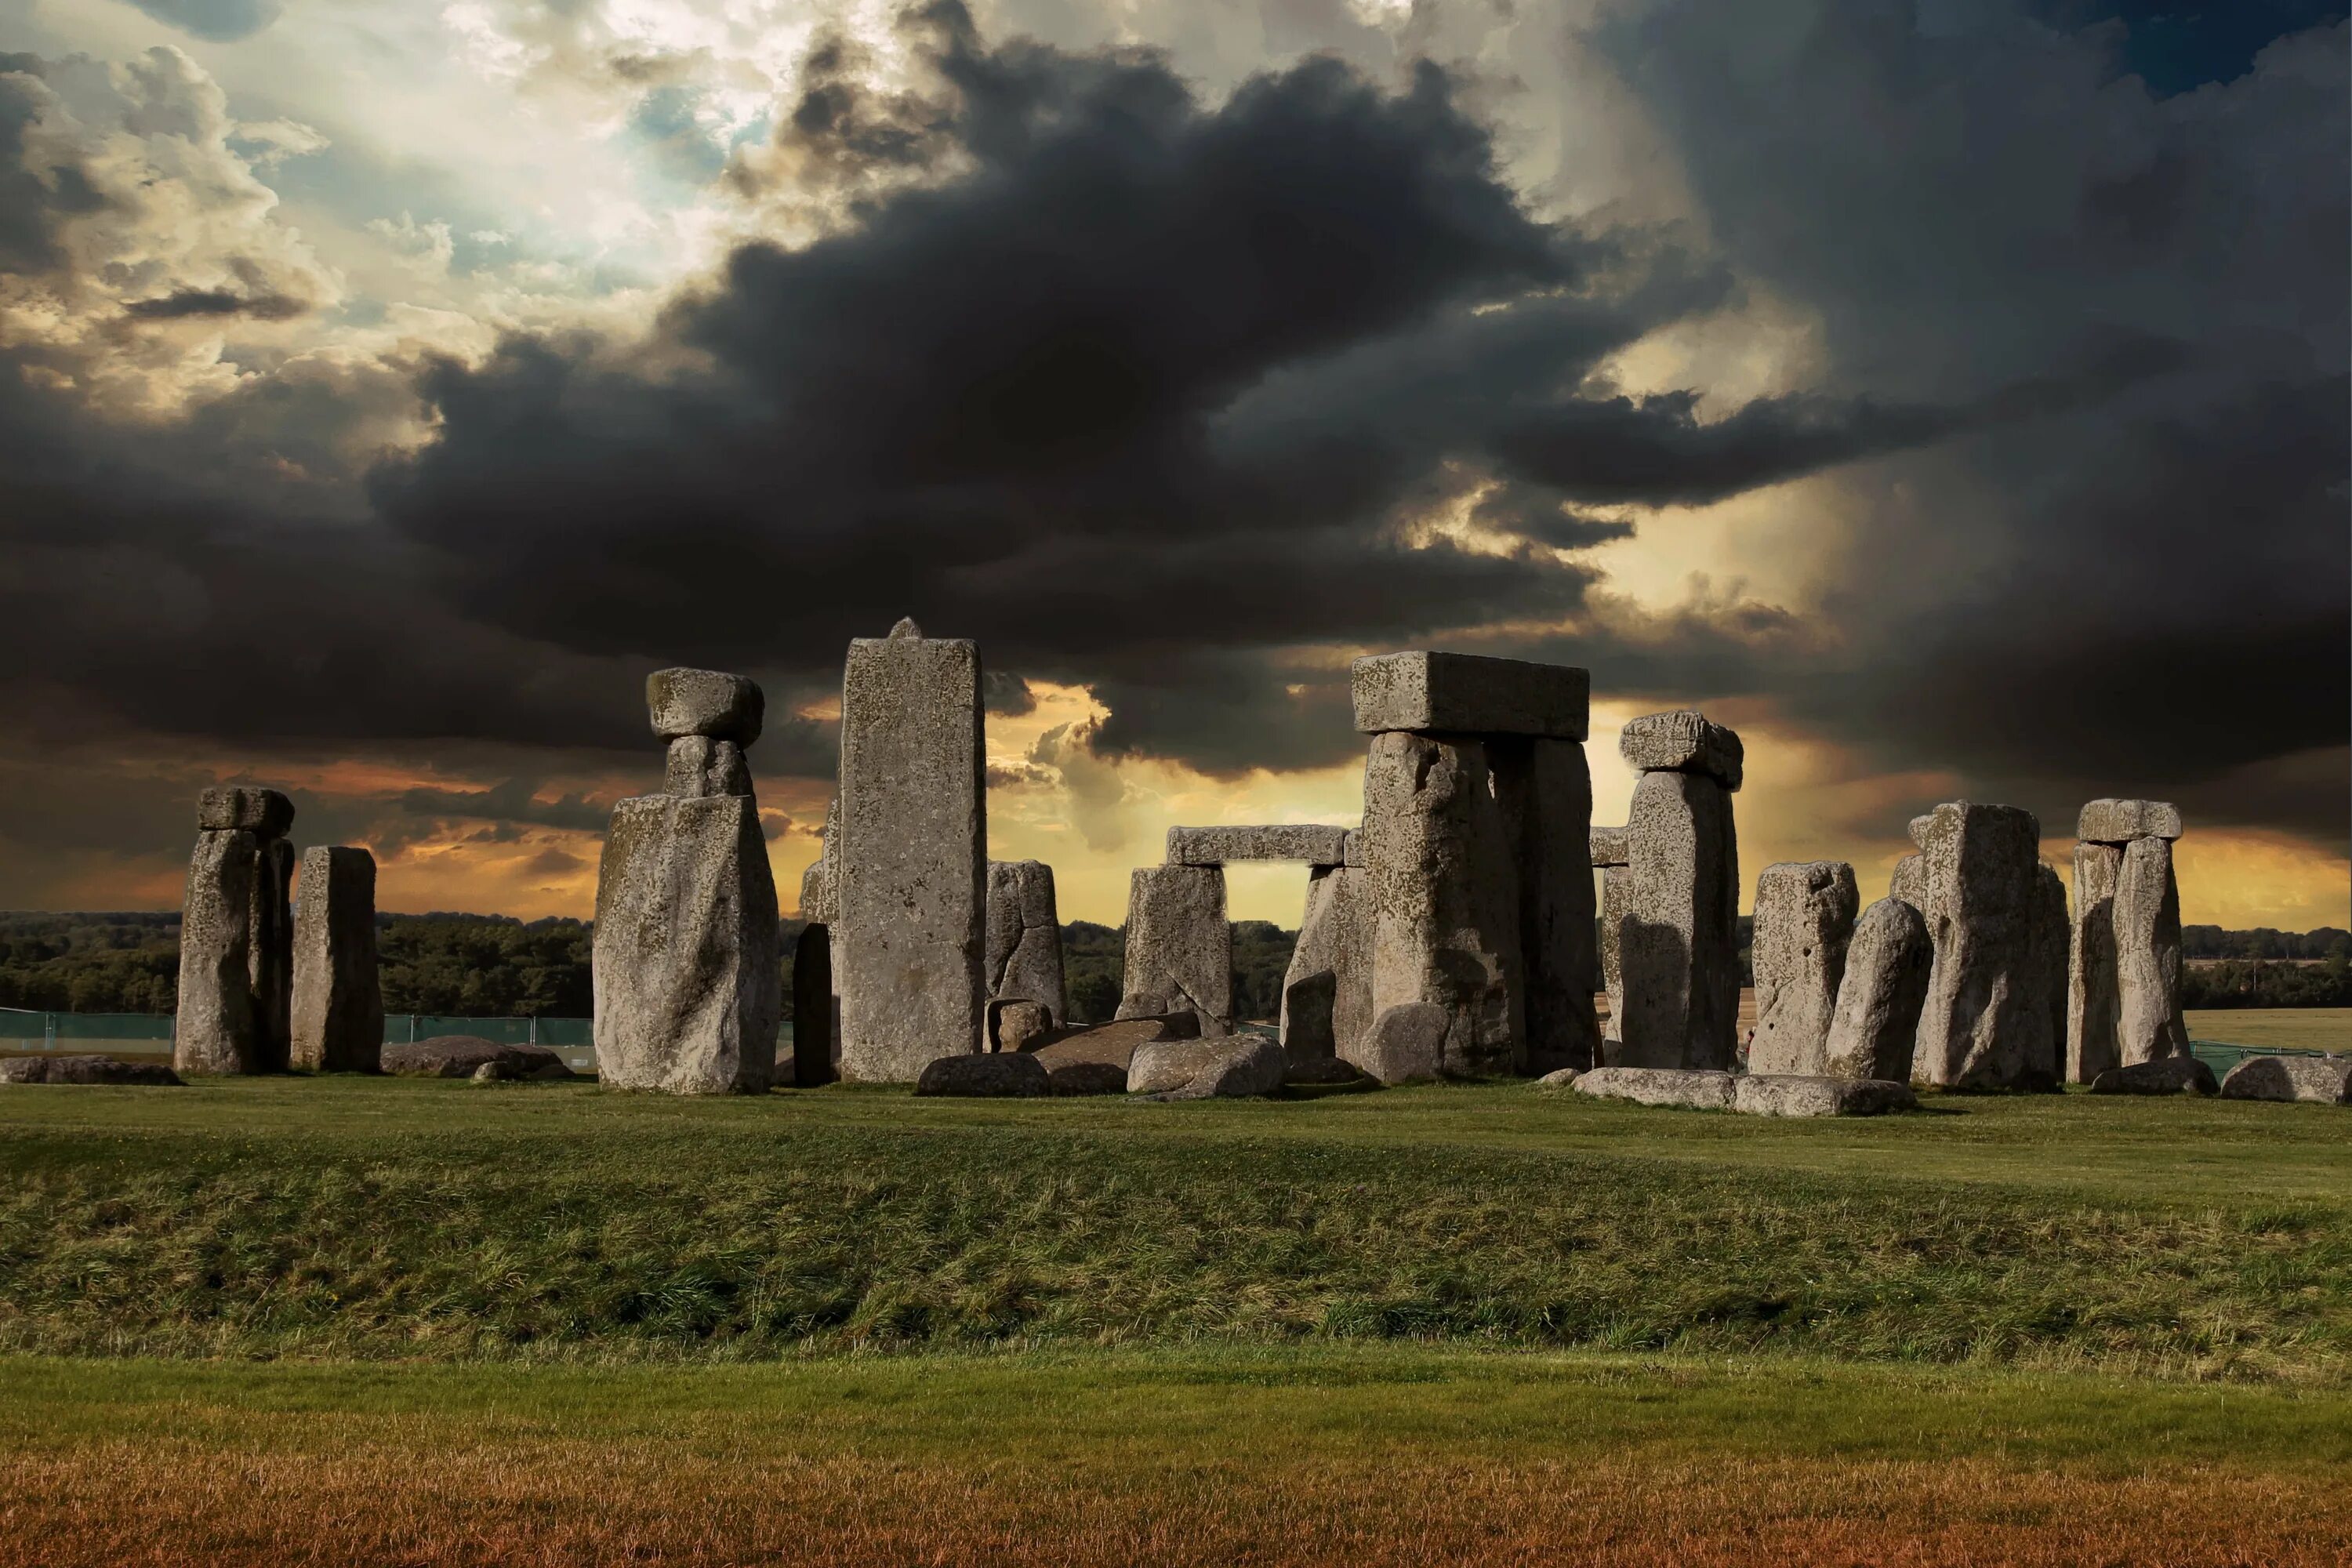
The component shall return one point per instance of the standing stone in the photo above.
(270, 957)
(1804, 920)
(815, 1008)
(1606, 848)
(1987, 1022)
(1678, 938)
(1544, 791)
(1023, 958)
(1179, 947)
(701, 766)
(1444, 897)
(688, 978)
(2149, 1026)
(214, 1029)
(2050, 941)
(2092, 1010)
(1909, 882)
(912, 875)
(1876, 1021)
(1327, 993)
(338, 1001)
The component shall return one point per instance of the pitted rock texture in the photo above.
(1469, 694)
(465, 1055)
(264, 812)
(1804, 919)
(1801, 1094)
(1616, 898)
(1606, 847)
(2149, 1024)
(213, 1031)
(1315, 845)
(1405, 1042)
(2121, 821)
(1989, 1017)
(84, 1069)
(1231, 1066)
(689, 975)
(1018, 1026)
(2166, 1075)
(2317, 1080)
(1327, 993)
(1179, 947)
(1691, 1088)
(1445, 899)
(704, 702)
(701, 766)
(1546, 795)
(1876, 1021)
(1678, 938)
(1023, 958)
(995, 1075)
(1684, 740)
(2094, 1001)
(910, 949)
(338, 999)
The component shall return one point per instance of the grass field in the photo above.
(1445, 1323)
(2303, 1028)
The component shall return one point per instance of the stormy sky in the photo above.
(1949, 394)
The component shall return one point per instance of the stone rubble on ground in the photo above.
(2317, 1080)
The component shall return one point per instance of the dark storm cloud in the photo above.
(182, 303)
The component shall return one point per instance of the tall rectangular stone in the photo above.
(1545, 790)
(1679, 951)
(912, 881)
(2148, 1025)
(2092, 1009)
(1327, 993)
(1616, 898)
(1469, 694)
(1804, 919)
(213, 1031)
(338, 999)
(1876, 1024)
(1445, 901)
(1024, 961)
(1988, 1019)
(269, 969)
(1179, 947)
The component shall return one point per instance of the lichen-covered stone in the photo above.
(2317, 1080)
(2093, 1046)
(701, 766)
(1988, 1021)
(338, 999)
(214, 1029)
(1230, 1067)
(264, 812)
(85, 1069)
(1693, 1088)
(1445, 899)
(1024, 956)
(2121, 821)
(1876, 1021)
(1017, 1026)
(689, 977)
(2164, 1075)
(1405, 1042)
(1606, 847)
(989, 1076)
(2147, 914)
(1179, 947)
(1546, 795)
(1469, 694)
(1677, 938)
(1804, 919)
(1802, 1094)
(1327, 993)
(704, 702)
(910, 949)
(1908, 881)
(1684, 740)
(1316, 845)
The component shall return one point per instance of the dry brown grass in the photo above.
(574, 1504)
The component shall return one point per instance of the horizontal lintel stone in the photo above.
(2121, 821)
(1470, 694)
(1315, 844)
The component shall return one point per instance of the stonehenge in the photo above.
(1024, 960)
(1326, 990)
(2123, 993)
(1180, 949)
(1804, 919)
(911, 870)
(237, 937)
(1678, 949)
(1876, 1020)
(687, 980)
(1987, 1022)
(338, 1009)
(1312, 843)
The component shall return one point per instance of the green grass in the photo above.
(396, 1219)
(2302, 1029)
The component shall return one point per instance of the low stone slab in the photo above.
(1406, 1041)
(991, 1075)
(1562, 1078)
(1316, 1071)
(1314, 844)
(2168, 1075)
(2121, 821)
(2317, 1080)
(704, 702)
(1809, 1094)
(1683, 742)
(464, 1055)
(1087, 1078)
(1694, 1088)
(1607, 847)
(264, 812)
(1109, 1044)
(84, 1069)
(1229, 1067)
(1470, 694)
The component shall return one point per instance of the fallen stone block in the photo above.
(1685, 742)
(2121, 821)
(1811, 1094)
(1321, 1071)
(1316, 845)
(1103, 1045)
(1017, 1026)
(704, 702)
(1562, 1077)
(991, 1075)
(1469, 694)
(465, 1055)
(1690, 1088)
(1087, 1078)
(84, 1069)
(1405, 1042)
(1804, 923)
(1231, 1066)
(2166, 1075)
(2316, 1080)
(1877, 1018)
(264, 812)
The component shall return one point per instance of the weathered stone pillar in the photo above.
(1023, 958)
(2092, 996)
(1327, 993)
(2127, 970)
(1179, 947)
(688, 981)
(237, 936)
(1986, 1020)
(1876, 1021)
(338, 1000)
(1605, 846)
(1678, 939)
(1804, 919)
(1476, 806)
(909, 952)
(816, 993)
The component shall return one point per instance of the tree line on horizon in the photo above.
(469, 965)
